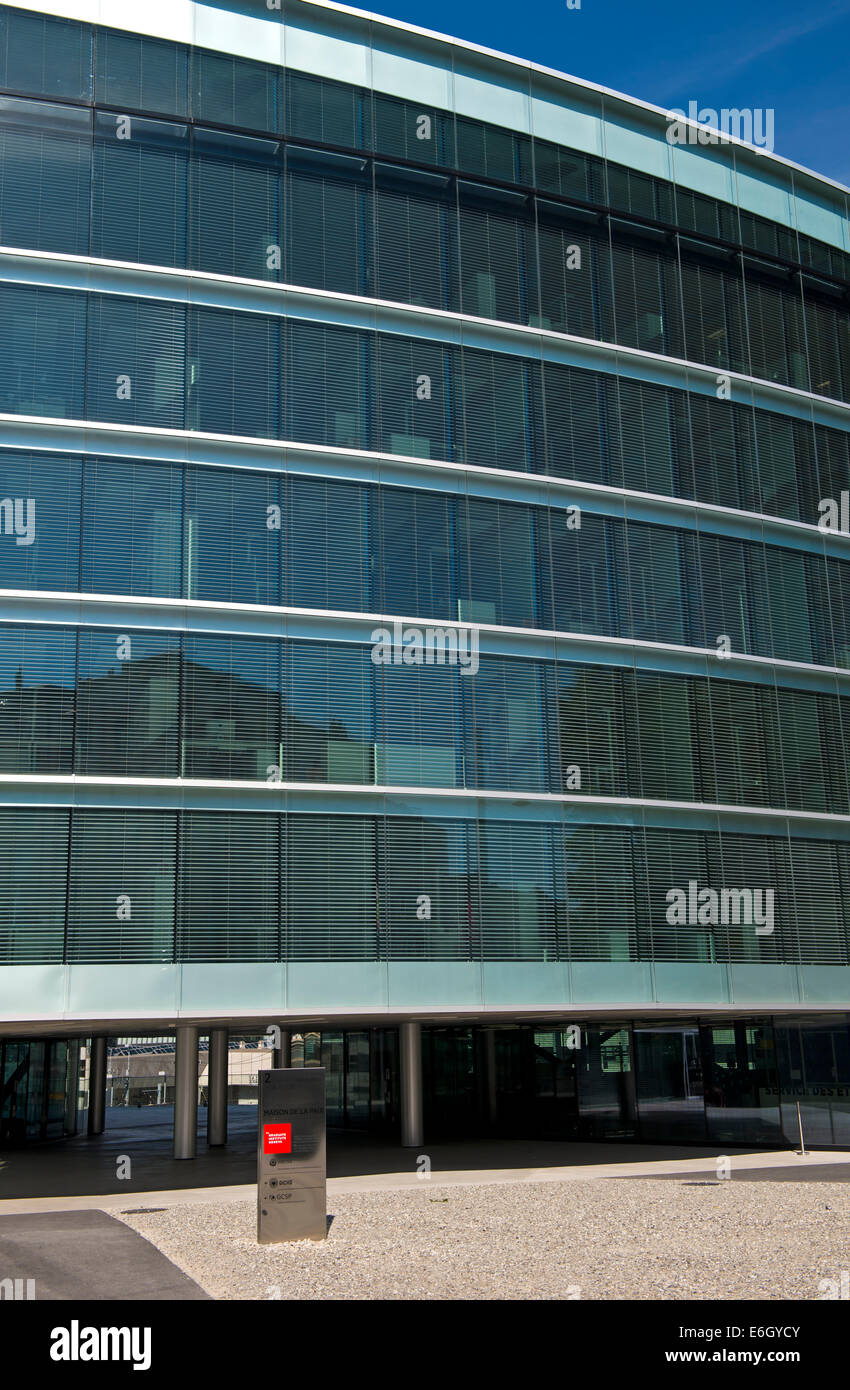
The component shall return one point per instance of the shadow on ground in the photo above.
(139, 1142)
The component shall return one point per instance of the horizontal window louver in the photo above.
(591, 729)
(328, 399)
(329, 244)
(229, 887)
(325, 888)
(331, 898)
(578, 589)
(223, 398)
(713, 313)
(411, 398)
(500, 420)
(236, 202)
(575, 443)
(400, 131)
(140, 73)
(646, 300)
(45, 56)
(496, 574)
(658, 725)
(46, 490)
(33, 885)
(143, 503)
(127, 704)
(733, 596)
(37, 680)
(506, 725)
(818, 886)
(45, 167)
(568, 259)
(327, 556)
(523, 907)
(417, 725)
(671, 861)
(231, 709)
(492, 248)
(426, 889)
(231, 539)
(343, 387)
(788, 603)
(415, 248)
(326, 111)
(486, 149)
(235, 91)
(418, 554)
(755, 863)
(140, 190)
(121, 890)
(640, 418)
(601, 915)
(136, 364)
(655, 582)
(42, 352)
(328, 727)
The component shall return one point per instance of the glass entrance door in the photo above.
(669, 1079)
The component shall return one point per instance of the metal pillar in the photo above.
(97, 1086)
(217, 1088)
(490, 1074)
(283, 1054)
(410, 1057)
(186, 1092)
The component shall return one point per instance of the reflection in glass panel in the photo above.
(332, 1055)
(231, 708)
(669, 1084)
(36, 698)
(127, 704)
(141, 503)
(604, 1066)
(741, 1101)
(813, 1060)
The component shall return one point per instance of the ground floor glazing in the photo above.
(742, 1081)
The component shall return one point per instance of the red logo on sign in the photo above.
(277, 1139)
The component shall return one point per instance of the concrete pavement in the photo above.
(81, 1255)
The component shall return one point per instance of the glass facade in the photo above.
(39, 1082)
(293, 352)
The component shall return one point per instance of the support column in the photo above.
(410, 1059)
(186, 1092)
(217, 1088)
(490, 1075)
(283, 1054)
(97, 1086)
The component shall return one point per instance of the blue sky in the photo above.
(792, 57)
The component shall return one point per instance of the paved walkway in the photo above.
(358, 1164)
(88, 1255)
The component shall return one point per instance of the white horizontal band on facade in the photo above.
(81, 1022)
(274, 793)
(60, 270)
(279, 621)
(373, 466)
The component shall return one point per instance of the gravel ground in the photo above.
(597, 1239)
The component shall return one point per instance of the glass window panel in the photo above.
(231, 708)
(139, 190)
(328, 719)
(37, 676)
(127, 704)
(141, 503)
(230, 551)
(45, 173)
(44, 492)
